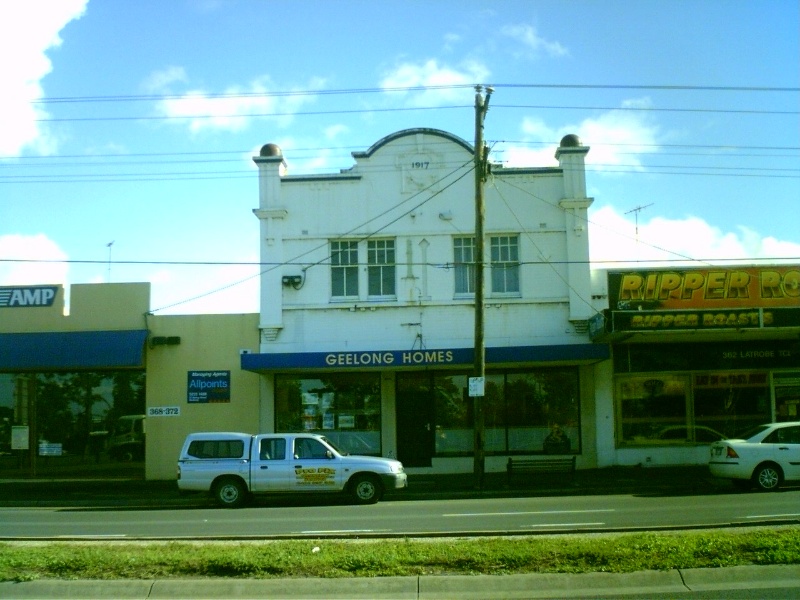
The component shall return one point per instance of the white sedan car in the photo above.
(764, 457)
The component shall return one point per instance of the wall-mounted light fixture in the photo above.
(292, 280)
(161, 340)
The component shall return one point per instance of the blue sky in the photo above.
(135, 123)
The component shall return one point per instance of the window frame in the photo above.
(347, 271)
(504, 265)
(381, 269)
(463, 266)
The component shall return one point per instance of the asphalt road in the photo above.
(334, 517)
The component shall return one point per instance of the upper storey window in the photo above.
(348, 281)
(344, 269)
(380, 268)
(464, 260)
(505, 264)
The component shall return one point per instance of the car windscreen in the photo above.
(335, 447)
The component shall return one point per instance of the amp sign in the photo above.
(28, 296)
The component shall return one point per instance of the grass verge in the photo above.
(618, 553)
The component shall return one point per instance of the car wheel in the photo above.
(230, 492)
(366, 489)
(768, 477)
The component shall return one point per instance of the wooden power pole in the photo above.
(477, 391)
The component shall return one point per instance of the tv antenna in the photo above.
(636, 212)
(108, 245)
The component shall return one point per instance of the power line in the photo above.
(258, 115)
(406, 89)
(611, 168)
(185, 263)
(727, 148)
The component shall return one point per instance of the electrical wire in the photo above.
(343, 236)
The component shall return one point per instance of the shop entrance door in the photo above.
(787, 396)
(415, 426)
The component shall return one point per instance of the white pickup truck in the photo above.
(231, 466)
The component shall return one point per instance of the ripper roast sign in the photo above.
(705, 298)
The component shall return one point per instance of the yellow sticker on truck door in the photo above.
(317, 476)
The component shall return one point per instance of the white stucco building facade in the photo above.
(367, 303)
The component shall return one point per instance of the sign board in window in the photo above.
(48, 449)
(20, 434)
(209, 386)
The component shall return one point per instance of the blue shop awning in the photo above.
(447, 357)
(72, 350)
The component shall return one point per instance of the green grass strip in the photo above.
(619, 553)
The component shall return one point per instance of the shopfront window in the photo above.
(453, 414)
(544, 411)
(651, 407)
(730, 403)
(524, 412)
(68, 424)
(346, 407)
(690, 409)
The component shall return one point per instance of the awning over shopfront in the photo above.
(427, 358)
(72, 350)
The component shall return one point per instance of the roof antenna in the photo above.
(637, 210)
(108, 245)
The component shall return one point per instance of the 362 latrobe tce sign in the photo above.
(28, 296)
(705, 298)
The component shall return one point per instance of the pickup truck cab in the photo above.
(231, 466)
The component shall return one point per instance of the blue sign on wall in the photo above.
(209, 386)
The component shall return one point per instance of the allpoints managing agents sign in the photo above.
(209, 386)
(28, 296)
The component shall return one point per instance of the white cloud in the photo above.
(533, 44)
(231, 110)
(449, 84)
(27, 31)
(161, 81)
(30, 248)
(618, 139)
(334, 131)
(224, 289)
(617, 240)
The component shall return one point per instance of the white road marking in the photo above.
(94, 537)
(336, 531)
(772, 516)
(564, 525)
(540, 512)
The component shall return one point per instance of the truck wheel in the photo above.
(366, 489)
(230, 492)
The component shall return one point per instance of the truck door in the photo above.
(272, 469)
(314, 469)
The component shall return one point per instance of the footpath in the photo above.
(617, 480)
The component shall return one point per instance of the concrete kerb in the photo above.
(538, 585)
